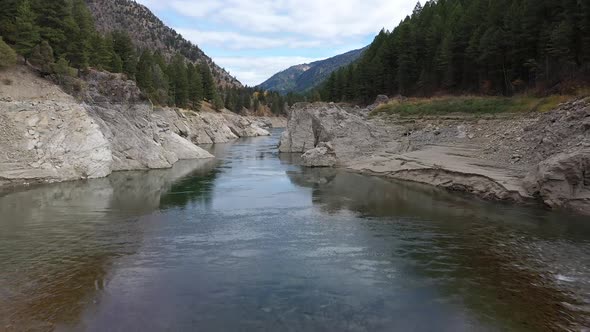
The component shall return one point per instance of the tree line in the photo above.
(59, 38)
(499, 47)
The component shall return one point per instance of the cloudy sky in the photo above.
(254, 39)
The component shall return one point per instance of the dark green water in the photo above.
(252, 242)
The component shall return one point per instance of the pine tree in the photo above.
(159, 59)
(585, 32)
(256, 104)
(42, 57)
(100, 54)
(160, 83)
(8, 11)
(144, 76)
(171, 74)
(406, 74)
(79, 44)
(195, 86)
(7, 55)
(180, 81)
(209, 88)
(61, 69)
(217, 102)
(123, 47)
(116, 63)
(56, 23)
(27, 35)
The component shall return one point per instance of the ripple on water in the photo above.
(250, 242)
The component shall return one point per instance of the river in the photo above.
(250, 241)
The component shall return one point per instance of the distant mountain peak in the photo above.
(304, 77)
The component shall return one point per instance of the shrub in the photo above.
(7, 55)
(218, 103)
(62, 69)
(42, 57)
(470, 105)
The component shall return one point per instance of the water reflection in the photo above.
(250, 241)
(498, 258)
(58, 242)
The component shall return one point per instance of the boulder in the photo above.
(311, 124)
(380, 100)
(182, 149)
(321, 156)
(299, 135)
(563, 181)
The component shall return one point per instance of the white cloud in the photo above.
(237, 41)
(235, 28)
(201, 9)
(321, 19)
(255, 70)
(325, 19)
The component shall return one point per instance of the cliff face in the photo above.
(49, 136)
(544, 156)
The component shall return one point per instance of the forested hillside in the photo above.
(60, 39)
(302, 78)
(148, 32)
(498, 47)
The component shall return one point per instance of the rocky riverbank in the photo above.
(515, 157)
(49, 136)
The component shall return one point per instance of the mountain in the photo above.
(148, 32)
(302, 78)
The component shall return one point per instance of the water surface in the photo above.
(251, 241)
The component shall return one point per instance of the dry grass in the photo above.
(474, 105)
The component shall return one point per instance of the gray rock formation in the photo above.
(125, 119)
(488, 157)
(321, 156)
(53, 141)
(311, 124)
(49, 136)
(563, 181)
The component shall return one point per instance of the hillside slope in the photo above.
(301, 78)
(149, 32)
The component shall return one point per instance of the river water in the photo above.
(251, 241)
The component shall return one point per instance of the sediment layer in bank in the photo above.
(50, 136)
(515, 157)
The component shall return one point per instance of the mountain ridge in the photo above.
(149, 32)
(304, 77)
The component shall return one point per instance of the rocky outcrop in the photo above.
(49, 136)
(311, 124)
(206, 127)
(321, 156)
(563, 181)
(61, 142)
(486, 156)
